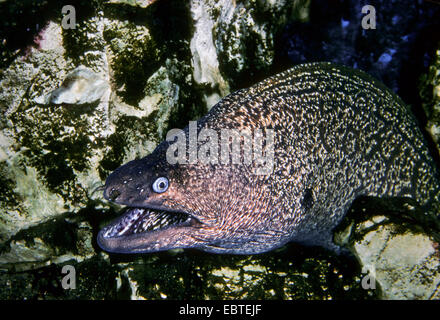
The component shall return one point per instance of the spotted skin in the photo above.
(339, 134)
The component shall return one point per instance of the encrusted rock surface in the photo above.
(430, 94)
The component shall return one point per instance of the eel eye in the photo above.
(160, 185)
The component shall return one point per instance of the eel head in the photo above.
(179, 206)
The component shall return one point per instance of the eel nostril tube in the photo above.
(113, 194)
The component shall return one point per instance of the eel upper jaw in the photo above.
(148, 229)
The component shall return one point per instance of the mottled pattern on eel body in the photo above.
(339, 134)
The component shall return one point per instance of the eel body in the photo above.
(337, 134)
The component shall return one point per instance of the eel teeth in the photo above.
(137, 220)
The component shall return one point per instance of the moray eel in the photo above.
(338, 134)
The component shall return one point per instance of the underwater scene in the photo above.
(219, 150)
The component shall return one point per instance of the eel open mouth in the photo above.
(137, 220)
(142, 227)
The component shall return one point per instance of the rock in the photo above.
(231, 44)
(65, 238)
(81, 86)
(396, 252)
(204, 53)
(149, 66)
(290, 273)
(429, 89)
(29, 77)
(95, 283)
(245, 40)
(397, 52)
(136, 3)
(53, 157)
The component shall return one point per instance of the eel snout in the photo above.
(129, 185)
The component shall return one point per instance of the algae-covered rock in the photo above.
(66, 124)
(95, 282)
(429, 88)
(290, 273)
(66, 237)
(81, 86)
(233, 42)
(244, 35)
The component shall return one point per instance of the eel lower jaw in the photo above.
(144, 230)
